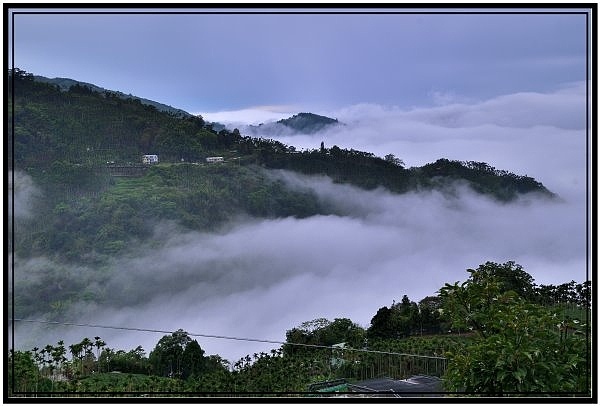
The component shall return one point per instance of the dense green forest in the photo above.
(497, 333)
(83, 150)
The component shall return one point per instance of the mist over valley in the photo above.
(282, 247)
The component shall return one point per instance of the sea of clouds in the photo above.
(258, 278)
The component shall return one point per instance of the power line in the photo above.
(147, 330)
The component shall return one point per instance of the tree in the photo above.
(105, 359)
(177, 355)
(407, 316)
(430, 320)
(133, 361)
(336, 151)
(47, 352)
(323, 332)
(58, 356)
(511, 276)
(23, 374)
(87, 346)
(383, 325)
(98, 343)
(520, 346)
(471, 301)
(76, 350)
(342, 330)
(391, 158)
(398, 321)
(193, 360)
(306, 333)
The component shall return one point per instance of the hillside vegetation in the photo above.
(73, 143)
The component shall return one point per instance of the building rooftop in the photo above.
(415, 385)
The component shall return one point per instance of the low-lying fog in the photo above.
(259, 278)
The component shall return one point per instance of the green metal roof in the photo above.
(337, 388)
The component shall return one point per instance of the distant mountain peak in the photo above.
(308, 116)
(308, 123)
(301, 123)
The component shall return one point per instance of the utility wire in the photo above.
(221, 337)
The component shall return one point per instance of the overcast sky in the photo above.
(214, 62)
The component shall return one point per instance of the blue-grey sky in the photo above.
(213, 62)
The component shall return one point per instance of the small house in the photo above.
(213, 159)
(150, 159)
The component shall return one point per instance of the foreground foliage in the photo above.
(504, 339)
(520, 346)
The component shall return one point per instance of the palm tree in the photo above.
(76, 350)
(98, 343)
(86, 345)
(58, 355)
(47, 351)
(37, 358)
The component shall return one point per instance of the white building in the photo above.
(213, 159)
(150, 159)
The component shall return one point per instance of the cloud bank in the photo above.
(249, 116)
(542, 135)
(263, 277)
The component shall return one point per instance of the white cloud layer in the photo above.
(542, 135)
(261, 278)
(249, 116)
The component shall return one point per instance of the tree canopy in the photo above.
(521, 346)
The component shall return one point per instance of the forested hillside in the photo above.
(75, 143)
(88, 128)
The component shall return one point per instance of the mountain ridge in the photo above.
(65, 84)
(82, 126)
